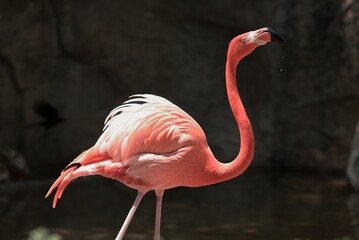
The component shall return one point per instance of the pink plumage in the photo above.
(149, 143)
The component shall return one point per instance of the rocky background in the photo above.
(64, 64)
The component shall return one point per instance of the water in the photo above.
(257, 205)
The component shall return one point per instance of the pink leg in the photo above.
(159, 194)
(129, 217)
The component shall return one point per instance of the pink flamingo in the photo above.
(148, 143)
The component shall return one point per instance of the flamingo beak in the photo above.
(274, 36)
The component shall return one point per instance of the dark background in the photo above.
(79, 59)
(64, 64)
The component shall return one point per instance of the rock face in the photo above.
(353, 165)
(12, 165)
(85, 57)
(318, 101)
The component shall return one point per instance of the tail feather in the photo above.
(61, 183)
(60, 189)
(54, 185)
(89, 157)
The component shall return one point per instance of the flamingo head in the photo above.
(245, 43)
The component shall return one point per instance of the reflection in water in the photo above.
(257, 205)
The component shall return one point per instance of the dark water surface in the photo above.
(256, 205)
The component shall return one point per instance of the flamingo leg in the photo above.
(129, 217)
(159, 196)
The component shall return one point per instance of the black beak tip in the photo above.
(275, 37)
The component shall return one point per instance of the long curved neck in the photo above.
(226, 171)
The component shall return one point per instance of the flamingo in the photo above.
(148, 143)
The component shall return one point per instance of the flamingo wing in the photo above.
(146, 124)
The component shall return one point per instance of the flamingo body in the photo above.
(149, 143)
